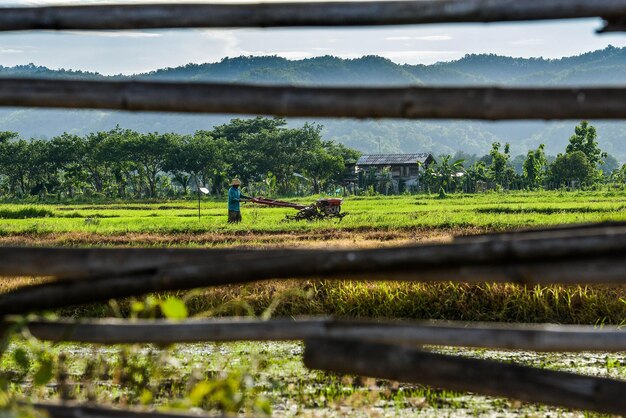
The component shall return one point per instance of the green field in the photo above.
(491, 211)
(257, 378)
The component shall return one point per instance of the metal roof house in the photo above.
(402, 166)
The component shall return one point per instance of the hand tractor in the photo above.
(320, 209)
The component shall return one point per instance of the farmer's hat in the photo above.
(235, 182)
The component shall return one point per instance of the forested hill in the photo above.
(594, 68)
(599, 67)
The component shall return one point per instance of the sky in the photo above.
(131, 52)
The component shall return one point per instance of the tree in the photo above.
(535, 166)
(584, 140)
(571, 167)
(16, 167)
(150, 152)
(446, 172)
(5, 161)
(196, 158)
(610, 164)
(6, 136)
(329, 166)
(501, 171)
(123, 162)
(64, 151)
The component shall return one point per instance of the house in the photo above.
(391, 172)
(401, 166)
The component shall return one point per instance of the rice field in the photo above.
(389, 216)
(269, 378)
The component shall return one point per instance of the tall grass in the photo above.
(25, 213)
(594, 305)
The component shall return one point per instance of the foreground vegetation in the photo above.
(263, 378)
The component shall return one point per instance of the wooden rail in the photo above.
(150, 16)
(569, 257)
(581, 255)
(544, 337)
(76, 410)
(572, 242)
(490, 103)
(484, 377)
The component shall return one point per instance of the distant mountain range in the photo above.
(602, 67)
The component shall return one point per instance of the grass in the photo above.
(267, 376)
(489, 211)
(371, 222)
(257, 377)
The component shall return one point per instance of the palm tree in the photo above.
(448, 172)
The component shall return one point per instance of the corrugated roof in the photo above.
(392, 159)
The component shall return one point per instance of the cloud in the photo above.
(10, 51)
(527, 42)
(419, 38)
(225, 41)
(290, 55)
(115, 34)
(415, 57)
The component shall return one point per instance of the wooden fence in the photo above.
(591, 254)
(151, 16)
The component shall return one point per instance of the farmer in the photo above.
(234, 197)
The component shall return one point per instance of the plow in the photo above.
(326, 208)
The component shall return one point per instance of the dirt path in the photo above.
(311, 239)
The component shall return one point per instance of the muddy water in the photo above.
(285, 380)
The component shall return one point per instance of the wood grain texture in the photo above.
(534, 337)
(488, 103)
(585, 256)
(485, 377)
(147, 16)
(76, 410)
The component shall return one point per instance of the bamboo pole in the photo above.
(76, 410)
(150, 16)
(587, 259)
(483, 377)
(502, 248)
(489, 103)
(65, 293)
(95, 262)
(543, 337)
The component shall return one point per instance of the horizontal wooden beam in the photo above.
(151, 16)
(71, 263)
(543, 337)
(76, 410)
(535, 243)
(586, 256)
(485, 377)
(490, 103)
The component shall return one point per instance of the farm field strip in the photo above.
(379, 213)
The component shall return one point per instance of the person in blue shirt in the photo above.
(234, 198)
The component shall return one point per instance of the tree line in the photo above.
(271, 159)
(583, 164)
(264, 153)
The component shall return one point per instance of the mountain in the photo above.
(602, 67)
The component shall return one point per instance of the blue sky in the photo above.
(129, 52)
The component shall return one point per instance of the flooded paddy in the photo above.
(273, 374)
